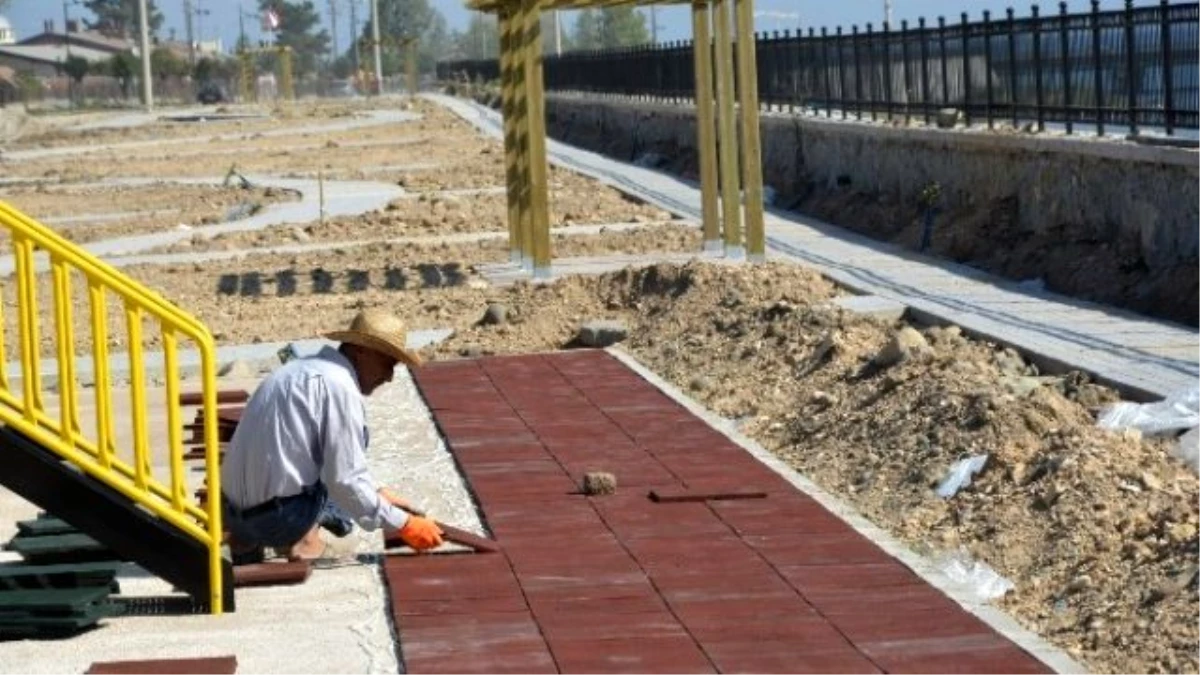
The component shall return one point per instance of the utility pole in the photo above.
(333, 27)
(147, 78)
(354, 35)
(653, 24)
(557, 33)
(375, 45)
(191, 37)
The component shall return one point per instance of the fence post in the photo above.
(841, 73)
(907, 84)
(987, 68)
(790, 69)
(1065, 47)
(1012, 65)
(887, 69)
(945, 66)
(1037, 69)
(871, 64)
(924, 69)
(1098, 67)
(811, 79)
(778, 68)
(858, 73)
(1130, 70)
(825, 69)
(966, 66)
(1167, 68)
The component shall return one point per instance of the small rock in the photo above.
(947, 118)
(1182, 532)
(602, 333)
(495, 315)
(1079, 583)
(700, 383)
(1150, 481)
(1010, 362)
(299, 234)
(904, 345)
(471, 351)
(599, 483)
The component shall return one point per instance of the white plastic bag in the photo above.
(1188, 449)
(960, 475)
(982, 580)
(1180, 410)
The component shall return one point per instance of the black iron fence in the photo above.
(1131, 68)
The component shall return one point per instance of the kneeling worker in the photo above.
(298, 458)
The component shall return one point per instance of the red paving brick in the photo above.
(622, 583)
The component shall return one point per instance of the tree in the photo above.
(123, 66)
(298, 23)
(400, 20)
(165, 63)
(588, 30)
(76, 68)
(623, 27)
(480, 40)
(610, 27)
(119, 18)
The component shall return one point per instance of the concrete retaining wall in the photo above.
(1138, 201)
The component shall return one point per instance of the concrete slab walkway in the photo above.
(1141, 357)
(622, 583)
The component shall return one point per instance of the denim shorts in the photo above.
(281, 522)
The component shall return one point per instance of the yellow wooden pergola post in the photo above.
(722, 175)
(535, 137)
(512, 152)
(706, 130)
(747, 64)
(731, 212)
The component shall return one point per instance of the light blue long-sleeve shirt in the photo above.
(307, 422)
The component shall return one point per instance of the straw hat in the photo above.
(381, 331)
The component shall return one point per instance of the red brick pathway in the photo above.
(622, 583)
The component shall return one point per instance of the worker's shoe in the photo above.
(335, 522)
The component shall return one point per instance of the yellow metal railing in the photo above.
(97, 454)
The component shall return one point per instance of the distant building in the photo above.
(7, 35)
(45, 60)
(78, 37)
(44, 54)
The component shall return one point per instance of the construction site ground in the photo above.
(1096, 530)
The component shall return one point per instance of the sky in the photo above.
(219, 18)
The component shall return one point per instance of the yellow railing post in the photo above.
(174, 423)
(28, 316)
(727, 123)
(68, 401)
(706, 131)
(137, 392)
(104, 425)
(751, 142)
(212, 468)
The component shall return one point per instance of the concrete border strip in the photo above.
(1004, 624)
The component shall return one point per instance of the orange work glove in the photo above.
(421, 533)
